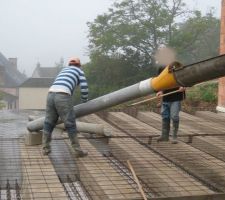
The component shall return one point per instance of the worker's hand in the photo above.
(159, 94)
(182, 89)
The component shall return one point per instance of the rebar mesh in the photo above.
(163, 170)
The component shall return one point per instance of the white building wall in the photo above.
(32, 98)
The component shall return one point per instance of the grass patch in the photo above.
(207, 92)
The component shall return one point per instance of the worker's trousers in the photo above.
(170, 110)
(59, 105)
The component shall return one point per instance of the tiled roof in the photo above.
(47, 72)
(37, 82)
(12, 77)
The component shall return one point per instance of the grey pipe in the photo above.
(98, 129)
(183, 76)
(206, 70)
(132, 92)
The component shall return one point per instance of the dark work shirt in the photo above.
(178, 96)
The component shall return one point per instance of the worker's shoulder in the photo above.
(77, 70)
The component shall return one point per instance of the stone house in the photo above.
(10, 79)
(33, 92)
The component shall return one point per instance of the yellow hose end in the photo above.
(165, 80)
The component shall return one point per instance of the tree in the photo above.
(197, 38)
(135, 29)
(123, 42)
(106, 74)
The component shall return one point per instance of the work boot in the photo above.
(46, 139)
(175, 130)
(76, 146)
(165, 131)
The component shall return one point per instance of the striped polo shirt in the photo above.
(68, 79)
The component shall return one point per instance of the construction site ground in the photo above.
(193, 169)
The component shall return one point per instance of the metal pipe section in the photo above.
(132, 92)
(200, 72)
(172, 76)
(98, 129)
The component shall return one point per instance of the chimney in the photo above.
(13, 62)
(221, 90)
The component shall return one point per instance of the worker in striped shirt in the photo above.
(59, 104)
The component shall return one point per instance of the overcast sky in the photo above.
(46, 30)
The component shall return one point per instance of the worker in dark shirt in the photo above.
(170, 108)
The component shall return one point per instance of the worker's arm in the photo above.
(83, 89)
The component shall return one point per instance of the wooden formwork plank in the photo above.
(132, 125)
(210, 116)
(129, 122)
(192, 160)
(101, 179)
(212, 144)
(198, 163)
(189, 124)
(160, 175)
(155, 121)
(95, 119)
(202, 125)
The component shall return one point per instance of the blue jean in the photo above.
(170, 110)
(59, 105)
